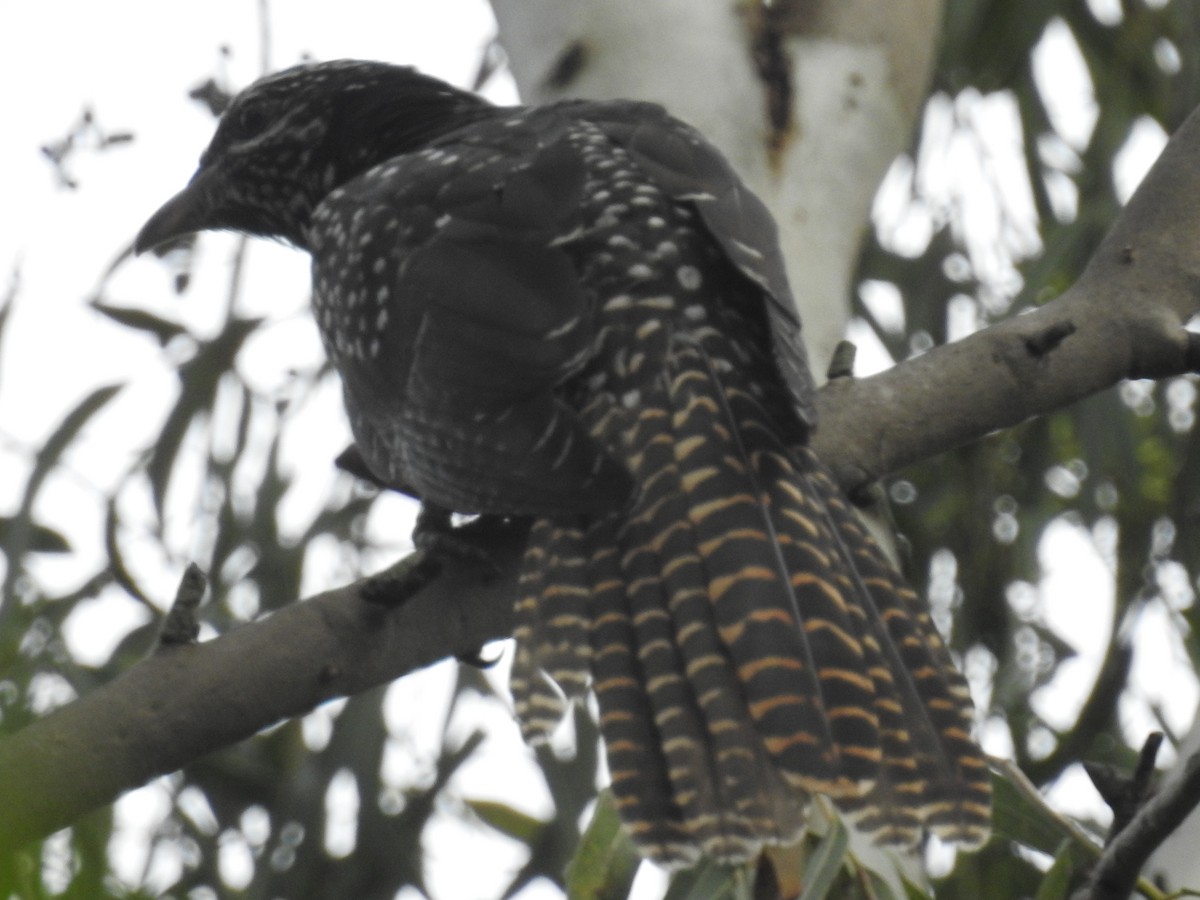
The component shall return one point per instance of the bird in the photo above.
(577, 314)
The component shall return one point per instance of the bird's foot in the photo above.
(399, 583)
(436, 537)
(440, 545)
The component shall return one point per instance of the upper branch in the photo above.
(1123, 318)
(1117, 870)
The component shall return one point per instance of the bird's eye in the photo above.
(248, 121)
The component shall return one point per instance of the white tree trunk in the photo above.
(859, 71)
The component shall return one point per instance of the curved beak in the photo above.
(186, 213)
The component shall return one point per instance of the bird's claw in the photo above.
(437, 537)
(392, 589)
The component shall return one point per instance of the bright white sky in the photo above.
(132, 62)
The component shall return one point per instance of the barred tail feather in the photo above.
(897, 711)
(638, 767)
(792, 638)
(552, 665)
(538, 703)
(690, 765)
(951, 790)
(723, 780)
(747, 641)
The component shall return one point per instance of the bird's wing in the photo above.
(482, 312)
(690, 169)
(463, 244)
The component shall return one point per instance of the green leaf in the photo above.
(712, 881)
(913, 891)
(163, 330)
(21, 532)
(201, 375)
(121, 572)
(606, 861)
(826, 862)
(877, 886)
(508, 821)
(8, 300)
(41, 538)
(1018, 818)
(1058, 877)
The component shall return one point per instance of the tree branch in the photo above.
(1123, 318)
(1117, 870)
(190, 699)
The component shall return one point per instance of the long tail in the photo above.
(747, 640)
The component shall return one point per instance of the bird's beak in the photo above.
(186, 213)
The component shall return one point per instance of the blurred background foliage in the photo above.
(258, 819)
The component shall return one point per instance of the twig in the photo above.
(1116, 872)
(181, 625)
(1126, 794)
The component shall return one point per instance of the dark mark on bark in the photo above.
(775, 72)
(1043, 342)
(568, 65)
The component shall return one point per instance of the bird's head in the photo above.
(290, 138)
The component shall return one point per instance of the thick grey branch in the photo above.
(1123, 318)
(190, 699)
